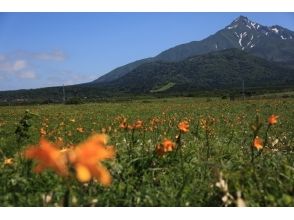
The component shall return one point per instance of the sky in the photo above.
(51, 49)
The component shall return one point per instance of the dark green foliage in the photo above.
(215, 71)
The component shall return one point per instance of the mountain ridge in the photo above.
(273, 43)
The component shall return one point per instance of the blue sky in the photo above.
(51, 49)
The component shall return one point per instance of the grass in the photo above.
(211, 166)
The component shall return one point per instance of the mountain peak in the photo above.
(242, 18)
(244, 22)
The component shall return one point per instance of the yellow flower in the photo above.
(87, 157)
(184, 126)
(166, 146)
(47, 155)
(257, 143)
(8, 161)
(273, 119)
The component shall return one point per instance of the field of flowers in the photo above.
(165, 152)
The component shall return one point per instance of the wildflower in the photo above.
(138, 124)
(184, 126)
(47, 155)
(166, 146)
(257, 143)
(239, 201)
(123, 123)
(43, 132)
(273, 119)
(87, 158)
(8, 161)
(227, 198)
(81, 130)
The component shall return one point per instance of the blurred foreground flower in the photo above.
(165, 147)
(47, 155)
(87, 157)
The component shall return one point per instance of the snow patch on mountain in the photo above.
(283, 38)
(275, 30)
(231, 27)
(253, 24)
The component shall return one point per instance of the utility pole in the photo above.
(243, 90)
(63, 90)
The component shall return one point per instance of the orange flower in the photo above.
(257, 143)
(166, 146)
(47, 155)
(87, 158)
(184, 126)
(8, 161)
(273, 119)
(123, 123)
(138, 124)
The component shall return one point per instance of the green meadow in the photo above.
(214, 163)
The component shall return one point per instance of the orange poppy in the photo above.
(47, 155)
(257, 143)
(273, 119)
(166, 146)
(87, 158)
(184, 126)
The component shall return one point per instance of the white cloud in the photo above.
(11, 66)
(28, 74)
(19, 65)
(56, 55)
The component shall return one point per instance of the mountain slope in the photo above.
(217, 70)
(273, 43)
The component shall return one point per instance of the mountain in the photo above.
(218, 70)
(215, 73)
(273, 43)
